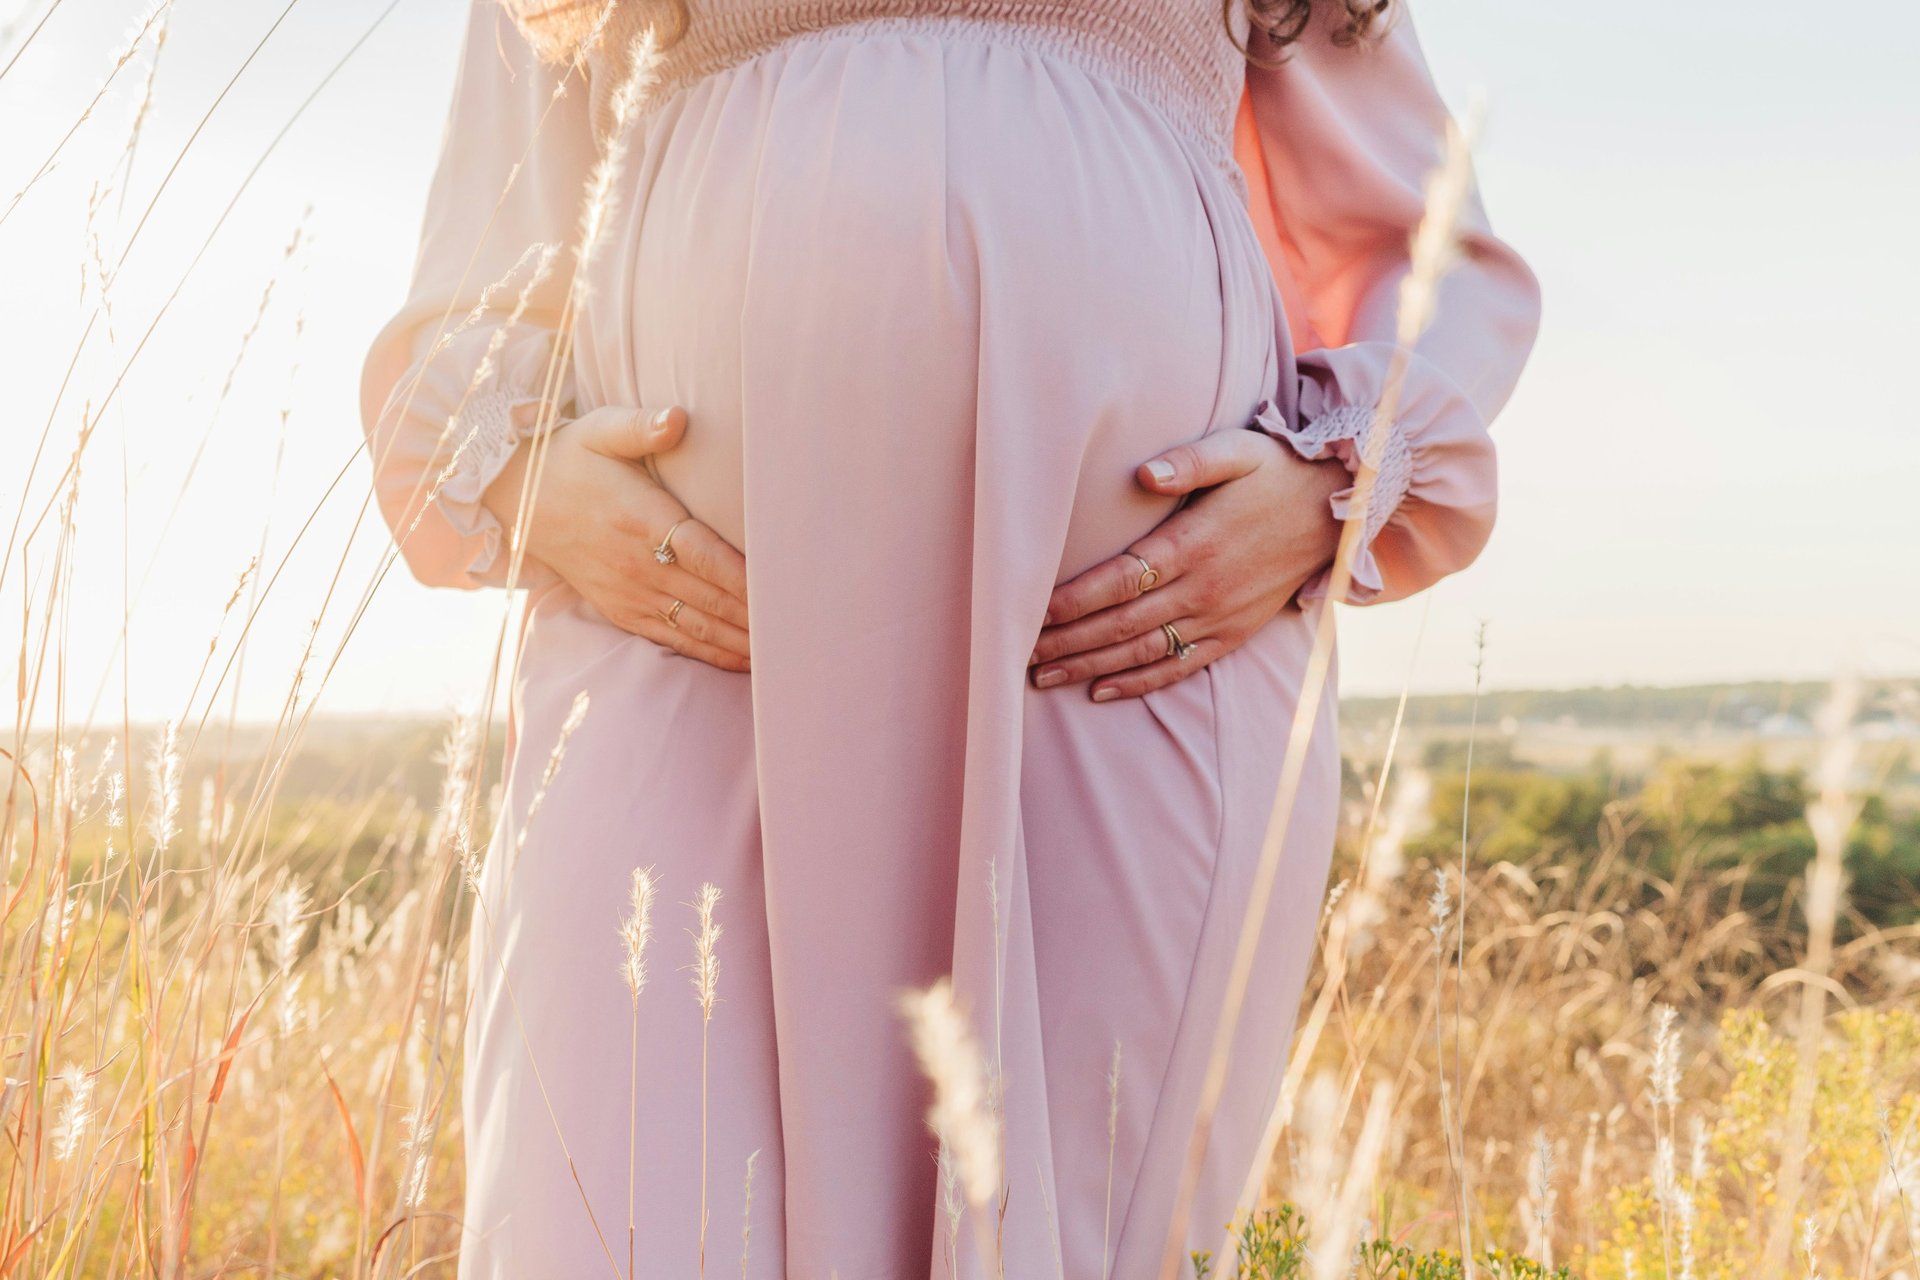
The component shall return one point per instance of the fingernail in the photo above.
(1049, 676)
(660, 419)
(1160, 469)
(1105, 694)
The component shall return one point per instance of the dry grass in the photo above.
(205, 1021)
(1660, 1145)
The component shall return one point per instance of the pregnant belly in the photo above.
(884, 237)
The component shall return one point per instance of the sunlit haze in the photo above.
(1708, 471)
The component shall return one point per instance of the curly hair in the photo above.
(1278, 23)
(561, 29)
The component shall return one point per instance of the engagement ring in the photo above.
(664, 552)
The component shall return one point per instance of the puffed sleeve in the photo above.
(455, 380)
(1337, 144)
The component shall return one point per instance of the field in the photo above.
(233, 1024)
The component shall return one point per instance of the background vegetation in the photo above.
(230, 1041)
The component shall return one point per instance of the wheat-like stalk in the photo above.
(643, 74)
(76, 1114)
(1830, 817)
(952, 1206)
(156, 16)
(636, 931)
(960, 1116)
(746, 1214)
(576, 714)
(706, 988)
(1439, 225)
(1113, 1141)
(1541, 1189)
(1884, 1131)
(1664, 1093)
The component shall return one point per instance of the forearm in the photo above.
(1340, 146)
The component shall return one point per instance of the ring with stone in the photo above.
(664, 552)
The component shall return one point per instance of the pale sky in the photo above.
(1708, 471)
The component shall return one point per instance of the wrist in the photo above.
(501, 497)
(1326, 478)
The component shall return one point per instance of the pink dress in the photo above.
(931, 277)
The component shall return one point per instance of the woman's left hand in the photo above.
(1228, 562)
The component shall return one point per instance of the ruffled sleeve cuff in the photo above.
(1433, 497)
(487, 432)
(479, 393)
(1343, 431)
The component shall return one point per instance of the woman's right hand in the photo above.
(597, 518)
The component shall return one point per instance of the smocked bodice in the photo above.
(1176, 54)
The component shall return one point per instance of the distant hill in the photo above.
(1888, 708)
(1557, 729)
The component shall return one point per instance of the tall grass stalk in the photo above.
(26, 42)
(126, 251)
(1665, 1096)
(1831, 817)
(1433, 249)
(1543, 1190)
(636, 931)
(155, 17)
(746, 1213)
(1462, 1173)
(1441, 910)
(706, 987)
(1346, 927)
(1339, 1213)
(1113, 1140)
(960, 1116)
(575, 717)
(1884, 1131)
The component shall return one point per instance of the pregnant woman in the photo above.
(924, 444)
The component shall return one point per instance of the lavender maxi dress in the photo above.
(931, 277)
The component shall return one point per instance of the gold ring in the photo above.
(1148, 574)
(1176, 647)
(672, 613)
(664, 552)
